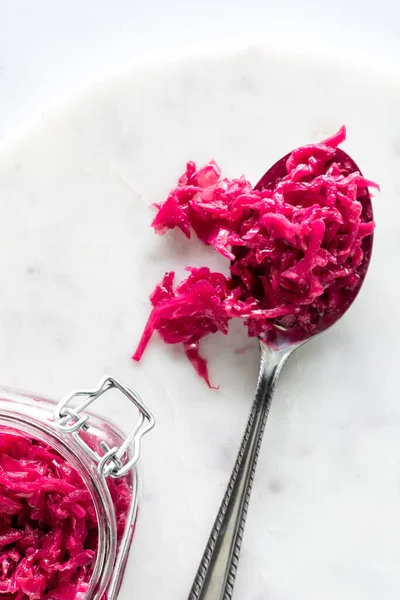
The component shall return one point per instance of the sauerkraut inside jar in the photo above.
(68, 496)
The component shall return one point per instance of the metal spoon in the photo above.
(215, 577)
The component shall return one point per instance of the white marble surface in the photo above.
(78, 261)
(50, 49)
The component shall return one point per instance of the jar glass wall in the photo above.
(103, 457)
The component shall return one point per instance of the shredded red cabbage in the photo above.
(296, 250)
(48, 523)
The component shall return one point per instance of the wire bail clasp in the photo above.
(70, 419)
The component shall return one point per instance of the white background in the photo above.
(51, 48)
(343, 486)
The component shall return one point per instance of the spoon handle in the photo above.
(215, 577)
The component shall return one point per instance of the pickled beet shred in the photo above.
(296, 251)
(48, 523)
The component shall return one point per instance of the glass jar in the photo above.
(97, 450)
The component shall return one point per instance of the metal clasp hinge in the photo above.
(69, 419)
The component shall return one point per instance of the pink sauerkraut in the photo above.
(48, 523)
(297, 248)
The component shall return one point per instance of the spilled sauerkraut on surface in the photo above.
(297, 250)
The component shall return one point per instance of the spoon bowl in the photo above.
(215, 577)
(280, 336)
